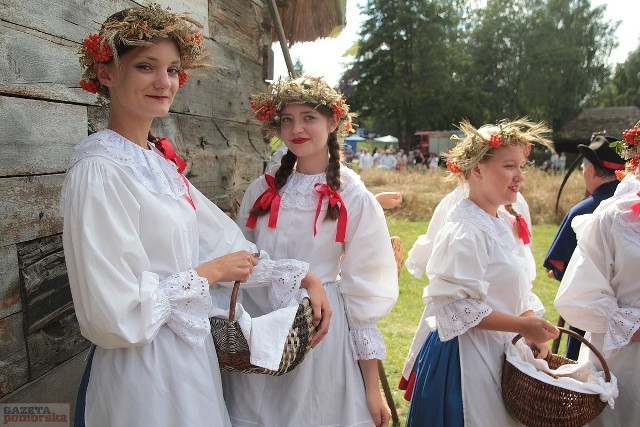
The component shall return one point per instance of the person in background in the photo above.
(365, 161)
(599, 291)
(319, 210)
(387, 161)
(479, 290)
(144, 248)
(562, 162)
(599, 165)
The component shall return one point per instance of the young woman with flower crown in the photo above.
(319, 211)
(479, 283)
(599, 292)
(143, 246)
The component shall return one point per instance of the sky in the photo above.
(324, 57)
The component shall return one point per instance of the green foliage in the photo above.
(426, 64)
(624, 89)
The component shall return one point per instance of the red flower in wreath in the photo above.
(96, 46)
(91, 86)
(495, 141)
(197, 38)
(182, 78)
(632, 136)
(453, 167)
(339, 109)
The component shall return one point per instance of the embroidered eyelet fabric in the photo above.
(187, 295)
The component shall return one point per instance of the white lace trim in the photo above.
(286, 277)
(534, 304)
(190, 303)
(456, 316)
(367, 343)
(497, 229)
(154, 172)
(623, 324)
(299, 191)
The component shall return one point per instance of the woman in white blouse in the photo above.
(316, 210)
(599, 292)
(479, 290)
(143, 246)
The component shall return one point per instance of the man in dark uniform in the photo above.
(599, 165)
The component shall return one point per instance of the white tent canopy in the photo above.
(355, 137)
(387, 139)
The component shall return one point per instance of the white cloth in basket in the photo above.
(582, 377)
(265, 334)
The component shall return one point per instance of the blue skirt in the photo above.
(81, 399)
(437, 395)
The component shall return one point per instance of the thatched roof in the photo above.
(613, 120)
(309, 20)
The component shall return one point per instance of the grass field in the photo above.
(400, 325)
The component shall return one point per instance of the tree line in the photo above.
(427, 64)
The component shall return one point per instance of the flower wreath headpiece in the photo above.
(476, 143)
(627, 148)
(139, 26)
(304, 90)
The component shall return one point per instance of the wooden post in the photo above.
(275, 16)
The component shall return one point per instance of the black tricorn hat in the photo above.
(601, 154)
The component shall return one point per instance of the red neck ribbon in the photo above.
(334, 198)
(636, 206)
(269, 200)
(523, 230)
(164, 146)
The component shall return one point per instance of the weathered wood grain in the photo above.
(54, 344)
(13, 354)
(29, 207)
(10, 299)
(38, 135)
(45, 284)
(238, 25)
(59, 385)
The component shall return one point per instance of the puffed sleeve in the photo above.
(420, 252)
(369, 277)
(586, 298)
(456, 292)
(118, 301)
(220, 235)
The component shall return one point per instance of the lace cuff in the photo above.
(534, 304)
(456, 316)
(286, 276)
(623, 324)
(367, 343)
(186, 296)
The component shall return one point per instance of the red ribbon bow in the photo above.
(636, 206)
(523, 230)
(334, 198)
(164, 146)
(269, 200)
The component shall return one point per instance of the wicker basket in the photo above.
(537, 404)
(233, 350)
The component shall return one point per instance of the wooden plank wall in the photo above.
(44, 114)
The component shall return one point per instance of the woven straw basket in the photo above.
(233, 350)
(537, 404)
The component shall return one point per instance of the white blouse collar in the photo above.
(154, 172)
(299, 191)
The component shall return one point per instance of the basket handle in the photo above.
(579, 337)
(234, 295)
(234, 298)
